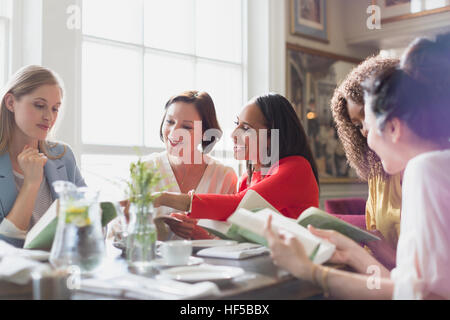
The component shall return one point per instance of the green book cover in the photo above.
(43, 232)
(219, 234)
(250, 225)
(44, 239)
(249, 236)
(322, 220)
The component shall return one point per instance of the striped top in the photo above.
(217, 179)
(43, 199)
(41, 205)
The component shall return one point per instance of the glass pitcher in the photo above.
(79, 239)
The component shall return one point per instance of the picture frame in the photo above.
(311, 78)
(309, 19)
(399, 10)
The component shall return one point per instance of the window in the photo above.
(4, 40)
(136, 54)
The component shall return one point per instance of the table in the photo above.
(262, 281)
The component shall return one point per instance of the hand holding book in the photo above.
(287, 251)
(183, 226)
(344, 245)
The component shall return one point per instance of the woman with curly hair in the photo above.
(407, 112)
(384, 202)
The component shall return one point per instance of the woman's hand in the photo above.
(188, 228)
(382, 250)
(184, 228)
(177, 201)
(345, 247)
(287, 252)
(32, 163)
(158, 201)
(125, 204)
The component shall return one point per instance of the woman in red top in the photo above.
(280, 167)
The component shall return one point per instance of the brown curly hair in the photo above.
(366, 163)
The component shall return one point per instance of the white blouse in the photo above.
(217, 178)
(423, 250)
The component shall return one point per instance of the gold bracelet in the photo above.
(326, 292)
(191, 194)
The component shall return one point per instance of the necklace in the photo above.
(185, 175)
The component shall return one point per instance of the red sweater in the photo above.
(291, 189)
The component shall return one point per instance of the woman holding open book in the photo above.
(29, 163)
(407, 116)
(185, 164)
(385, 191)
(280, 166)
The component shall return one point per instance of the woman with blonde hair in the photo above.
(29, 163)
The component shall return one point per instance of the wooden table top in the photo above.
(262, 281)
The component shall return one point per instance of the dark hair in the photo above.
(279, 114)
(205, 108)
(417, 92)
(360, 157)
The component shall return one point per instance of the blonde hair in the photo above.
(24, 82)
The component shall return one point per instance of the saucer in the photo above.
(191, 262)
(205, 272)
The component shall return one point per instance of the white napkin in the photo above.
(17, 269)
(238, 251)
(8, 250)
(16, 265)
(138, 287)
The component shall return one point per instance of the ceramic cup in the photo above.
(176, 252)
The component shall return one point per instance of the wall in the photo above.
(391, 35)
(337, 15)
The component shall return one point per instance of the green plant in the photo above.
(142, 191)
(143, 182)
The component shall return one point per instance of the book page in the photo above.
(44, 221)
(253, 200)
(256, 222)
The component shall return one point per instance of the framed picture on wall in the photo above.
(309, 19)
(397, 10)
(312, 77)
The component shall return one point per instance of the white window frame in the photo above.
(99, 149)
(7, 62)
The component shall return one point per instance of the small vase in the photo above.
(141, 238)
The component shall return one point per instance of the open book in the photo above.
(252, 201)
(43, 232)
(250, 225)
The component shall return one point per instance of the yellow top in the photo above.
(383, 207)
